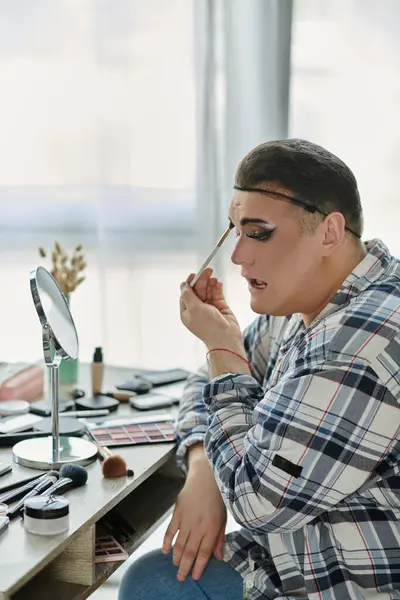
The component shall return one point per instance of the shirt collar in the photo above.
(367, 272)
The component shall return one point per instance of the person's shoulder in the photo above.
(374, 311)
(367, 330)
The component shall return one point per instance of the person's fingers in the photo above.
(219, 546)
(203, 279)
(182, 305)
(188, 556)
(205, 276)
(201, 285)
(170, 533)
(209, 292)
(203, 556)
(189, 297)
(179, 548)
(218, 291)
(217, 297)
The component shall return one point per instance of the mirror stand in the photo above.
(53, 451)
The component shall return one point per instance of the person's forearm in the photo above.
(198, 465)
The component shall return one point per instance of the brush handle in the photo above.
(204, 266)
(90, 434)
(105, 452)
(15, 485)
(102, 451)
(121, 396)
(211, 255)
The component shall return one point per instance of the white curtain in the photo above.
(345, 91)
(243, 81)
(98, 146)
(122, 122)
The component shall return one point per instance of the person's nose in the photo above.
(240, 254)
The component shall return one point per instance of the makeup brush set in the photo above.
(39, 502)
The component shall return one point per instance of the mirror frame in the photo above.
(48, 333)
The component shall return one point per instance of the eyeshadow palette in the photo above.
(134, 433)
(107, 549)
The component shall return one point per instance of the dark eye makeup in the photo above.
(256, 229)
(261, 235)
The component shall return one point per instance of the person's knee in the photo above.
(153, 577)
(148, 577)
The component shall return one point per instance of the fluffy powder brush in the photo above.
(113, 465)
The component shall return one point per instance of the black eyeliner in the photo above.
(261, 236)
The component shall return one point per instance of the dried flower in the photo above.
(66, 270)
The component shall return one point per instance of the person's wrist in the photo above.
(231, 344)
(197, 456)
(199, 468)
(222, 361)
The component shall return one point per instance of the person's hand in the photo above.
(206, 314)
(200, 519)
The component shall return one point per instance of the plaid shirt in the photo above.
(306, 452)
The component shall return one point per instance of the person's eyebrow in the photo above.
(248, 221)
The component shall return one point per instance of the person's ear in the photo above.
(334, 232)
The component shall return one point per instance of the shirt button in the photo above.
(249, 584)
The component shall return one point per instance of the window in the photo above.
(97, 146)
(345, 93)
(97, 114)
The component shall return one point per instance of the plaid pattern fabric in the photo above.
(306, 451)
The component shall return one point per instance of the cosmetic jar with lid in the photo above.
(46, 515)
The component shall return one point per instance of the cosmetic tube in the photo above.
(97, 371)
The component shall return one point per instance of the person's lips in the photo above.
(256, 284)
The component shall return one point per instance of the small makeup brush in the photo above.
(113, 465)
(212, 254)
(119, 395)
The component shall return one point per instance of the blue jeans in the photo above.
(153, 577)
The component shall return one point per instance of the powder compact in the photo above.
(46, 515)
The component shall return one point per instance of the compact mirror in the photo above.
(60, 342)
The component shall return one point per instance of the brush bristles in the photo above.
(114, 466)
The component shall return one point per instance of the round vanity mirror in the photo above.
(60, 342)
(53, 311)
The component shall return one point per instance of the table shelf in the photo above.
(73, 573)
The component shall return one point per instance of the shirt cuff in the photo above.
(184, 445)
(232, 387)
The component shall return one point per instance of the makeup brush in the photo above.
(113, 465)
(212, 254)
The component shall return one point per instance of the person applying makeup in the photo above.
(293, 426)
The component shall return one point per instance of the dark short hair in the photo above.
(308, 172)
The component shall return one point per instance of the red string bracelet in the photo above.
(231, 352)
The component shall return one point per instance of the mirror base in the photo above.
(38, 453)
